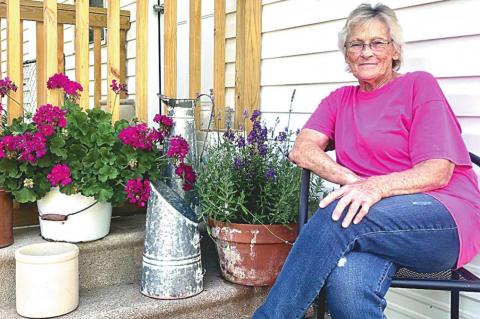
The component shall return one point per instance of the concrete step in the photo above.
(115, 259)
(218, 300)
(115, 296)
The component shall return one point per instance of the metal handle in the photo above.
(54, 217)
(61, 217)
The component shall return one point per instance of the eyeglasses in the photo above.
(376, 46)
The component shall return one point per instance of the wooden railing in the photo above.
(247, 55)
(50, 19)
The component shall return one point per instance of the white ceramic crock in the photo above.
(90, 224)
(46, 279)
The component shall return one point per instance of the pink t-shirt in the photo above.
(393, 128)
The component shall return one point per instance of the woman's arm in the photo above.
(309, 152)
(425, 176)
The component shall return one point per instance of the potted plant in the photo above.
(248, 194)
(77, 164)
(6, 202)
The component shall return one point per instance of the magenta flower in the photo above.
(139, 136)
(57, 81)
(30, 146)
(6, 86)
(138, 191)
(118, 87)
(48, 117)
(61, 81)
(178, 148)
(7, 145)
(60, 175)
(188, 176)
(73, 88)
(163, 120)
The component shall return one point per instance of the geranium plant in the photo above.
(247, 178)
(81, 151)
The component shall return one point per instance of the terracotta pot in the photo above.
(252, 255)
(6, 219)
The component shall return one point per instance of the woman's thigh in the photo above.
(414, 231)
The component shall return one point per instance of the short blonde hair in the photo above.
(366, 12)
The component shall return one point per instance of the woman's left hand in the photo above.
(360, 196)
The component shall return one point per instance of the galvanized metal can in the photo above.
(172, 266)
(182, 111)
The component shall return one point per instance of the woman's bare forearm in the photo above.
(309, 153)
(426, 176)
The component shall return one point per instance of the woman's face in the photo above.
(368, 65)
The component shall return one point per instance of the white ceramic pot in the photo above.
(46, 279)
(87, 225)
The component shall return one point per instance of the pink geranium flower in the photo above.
(60, 175)
(48, 117)
(178, 148)
(187, 174)
(139, 136)
(138, 191)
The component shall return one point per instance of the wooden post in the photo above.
(195, 55)
(123, 60)
(113, 55)
(240, 63)
(141, 65)
(61, 62)
(14, 50)
(219, 62)
(247, 66)
(60, 40)
(170, 48)
(51, 46)
(0, 47)
(40, 66)
(20, 58)
(82, 49)
(97, 66)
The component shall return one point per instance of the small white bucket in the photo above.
(47, 279)
(76, 218)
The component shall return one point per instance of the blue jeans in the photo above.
(356, 264)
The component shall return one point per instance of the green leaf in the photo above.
(45, 161)
(56, 147)
(7, 164)
(69, 189)
(104, 194)
(106, 173)
(24, 195)
(77, 151)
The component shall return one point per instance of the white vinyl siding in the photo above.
(299, 51)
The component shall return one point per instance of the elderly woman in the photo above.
(409, 196)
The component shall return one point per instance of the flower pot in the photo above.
(6, 219)
(252, 255)
(73, 218)
(47, 279)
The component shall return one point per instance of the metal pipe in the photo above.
(159, 9)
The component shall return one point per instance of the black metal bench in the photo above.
(449, 280)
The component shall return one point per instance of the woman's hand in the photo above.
(360, 195)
